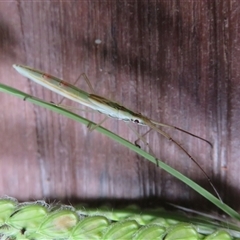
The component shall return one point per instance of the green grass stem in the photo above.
(125, 143)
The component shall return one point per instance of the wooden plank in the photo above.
(174, 61)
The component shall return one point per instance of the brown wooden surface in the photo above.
(177, 62)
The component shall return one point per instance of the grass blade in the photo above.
(126, 143)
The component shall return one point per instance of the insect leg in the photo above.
(86, 80)
(91, 128)
(141, 137)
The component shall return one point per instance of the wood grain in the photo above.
(174, 61)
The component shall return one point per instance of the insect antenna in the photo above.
(182, 130)
(154, 127)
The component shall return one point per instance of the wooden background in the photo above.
(177, 62)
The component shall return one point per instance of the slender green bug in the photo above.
(103, 105)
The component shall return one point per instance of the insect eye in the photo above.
(136, 121)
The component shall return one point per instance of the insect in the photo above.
(105, 106)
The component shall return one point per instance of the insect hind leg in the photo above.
(84, 75)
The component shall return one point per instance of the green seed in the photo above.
(90, 228)
(7, 207)
(121, 230)
(28, 217)
(153, 232)
(219, 235)
(58, 225)
(182, 231)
